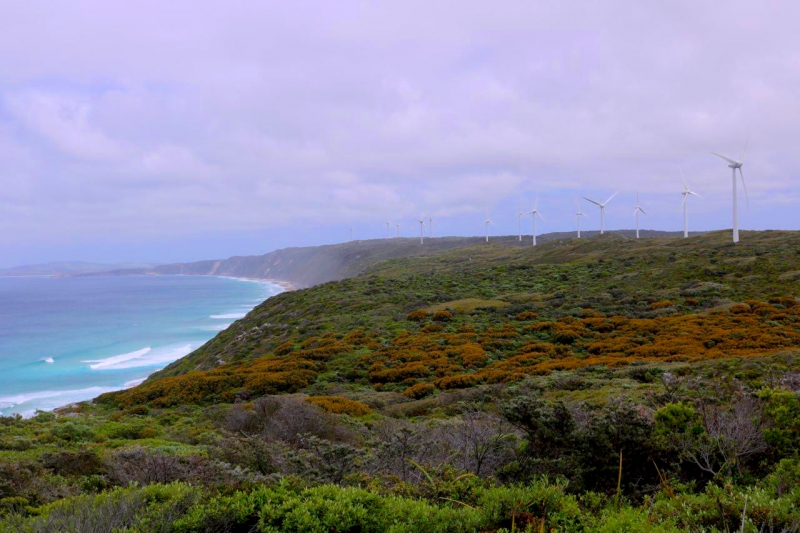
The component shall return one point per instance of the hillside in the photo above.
(608, 273)
(308, 266)
(70, 268)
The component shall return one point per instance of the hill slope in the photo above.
(612, 274)
(308, 266)
(69, 268)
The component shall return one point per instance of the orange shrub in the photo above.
(662, 304)
(459, 381)
(442, 316)
(419, 315)
(339, 405)
(527, 315)
(420, 390)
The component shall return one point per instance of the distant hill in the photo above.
(309, 266)
(69, 268)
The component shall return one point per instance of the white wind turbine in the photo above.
(430, 225)
(602, 210)
(421, 221)
(351, 234)
(636, 212)
(578, 215)
(686, 193)
(535, 213)
(388, 230)
(398, 229)
(486, 223)
(519, 221)
(733, 165)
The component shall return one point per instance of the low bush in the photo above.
(339, 405)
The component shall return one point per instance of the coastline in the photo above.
(287, 286)
(69, 405)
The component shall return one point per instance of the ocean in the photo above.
(70, 339)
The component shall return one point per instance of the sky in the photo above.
(184, 130)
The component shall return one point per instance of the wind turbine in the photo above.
(351, 233)
(636, 213)
(398, 229)
(578, 215)
(686, 192)
(388, 231)
(519, 220)
(535, 213)
(602, 211)
(733, 165)
(421, 228)
(486, 223)
(430, 225)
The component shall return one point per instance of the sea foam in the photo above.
(141, 358)
(117, 360)
(50, 399)
(229, 316)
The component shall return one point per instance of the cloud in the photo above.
(64, 122)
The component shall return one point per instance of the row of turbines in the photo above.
(733, 164)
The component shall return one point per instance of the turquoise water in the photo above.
(69, 339)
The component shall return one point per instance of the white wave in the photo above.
(48, 360)
(229, 316)
(146, 357)
(52, 398)
(114, 362)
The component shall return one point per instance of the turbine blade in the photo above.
(741, 157)
(643, 211)
(595, 203)
(610, 197)
(728, 159)
(744, 186)
(538, 214)
(694, 194)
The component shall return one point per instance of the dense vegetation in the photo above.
(596, 385)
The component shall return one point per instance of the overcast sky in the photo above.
(166, 131)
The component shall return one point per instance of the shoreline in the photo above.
(287, 286)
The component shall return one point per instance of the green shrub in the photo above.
(72, 432)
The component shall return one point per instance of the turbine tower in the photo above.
(535, 213)
(351, 233)
(421, 229)
(519, 221)
(636, 213)
(388, 230)
(486, 223)
(430, 225)
(578, 215)
(398, 229)
(602, 211)
(686, 192)
(733, 165)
